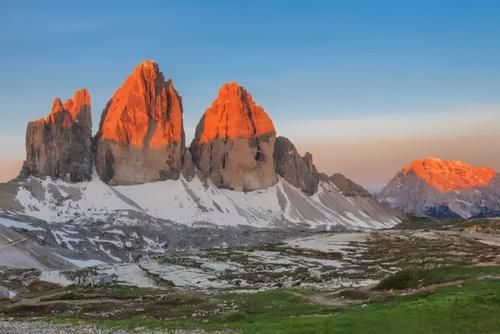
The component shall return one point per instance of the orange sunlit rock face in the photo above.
(61, 144)
(69, 111)
(145, 112)
(141, 135)
(234, 142)
(450, 175)
(234, 114)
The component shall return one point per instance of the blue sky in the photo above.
(306, 62)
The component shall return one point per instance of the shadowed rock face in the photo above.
(61, 145)
(141, 135)
(234, 142)
(348, 187)
(297, 170)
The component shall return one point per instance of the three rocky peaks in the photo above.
(141, 139)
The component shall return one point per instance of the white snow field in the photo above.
(194, 202)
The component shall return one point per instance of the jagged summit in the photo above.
(298, 170)
(141, 135)
(72, 108)
(144, 97)
(140, 142)
(450, 175)
(60, 145)
(234, 114)
(234, 142)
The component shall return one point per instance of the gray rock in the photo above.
(4, 293)
(242, 164)
(93, 279)
(188, 169)
(297, 170)
(348, 187)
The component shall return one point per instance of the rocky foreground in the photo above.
(319, 274)
(39, 327)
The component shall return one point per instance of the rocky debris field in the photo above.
(39, 327)
(196, 288)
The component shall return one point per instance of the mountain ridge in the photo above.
(443, 189)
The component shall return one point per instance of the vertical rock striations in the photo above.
(141, 135)
(61, 145)
(297, 170)
(234, 142)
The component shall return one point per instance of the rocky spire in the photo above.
(61, 145)
(234, 142)
(297, 170)
(141, 134)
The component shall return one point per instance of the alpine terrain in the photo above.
(135, 188)
(444, 189)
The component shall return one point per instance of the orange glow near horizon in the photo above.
(373, 161)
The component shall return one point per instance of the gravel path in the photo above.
(38, 327)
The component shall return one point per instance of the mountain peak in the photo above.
(234, 114)
(147, 67)
(60, 145)
(234, 142)
(147, 63)
(141, 123)
(450, 175)
(57, 106)
(144, 99)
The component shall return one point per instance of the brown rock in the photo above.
(141, 135)
(61, 145)
(297, 170)
(348, 187)
(234, 142)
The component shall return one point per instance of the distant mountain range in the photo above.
(444, 189)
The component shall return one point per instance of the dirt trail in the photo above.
(328, 298)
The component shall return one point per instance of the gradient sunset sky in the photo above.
(366, 86)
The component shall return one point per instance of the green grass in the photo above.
(471, 308)
(418, 223)
(415, 277)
